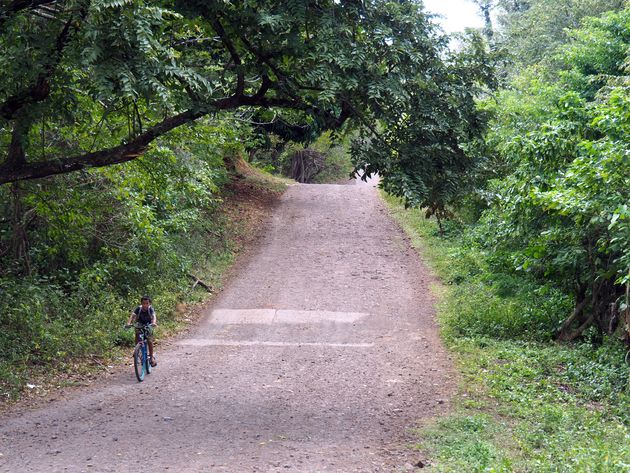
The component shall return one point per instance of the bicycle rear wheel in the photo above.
(138, 362)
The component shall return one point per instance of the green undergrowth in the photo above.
(335, 168)
(525, 403)
(55, 334)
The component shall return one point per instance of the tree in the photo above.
(422, 150)
(531, 30)
(485, 8)
(560, 212)
(92, 84)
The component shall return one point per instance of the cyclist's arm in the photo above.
(132, 318)
(154, 318)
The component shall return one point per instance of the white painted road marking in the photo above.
(237, 316)
(282, 316)
(202, 342)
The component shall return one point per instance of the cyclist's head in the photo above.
(145, 298)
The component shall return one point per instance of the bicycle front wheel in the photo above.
(147, 361)
(138, 362)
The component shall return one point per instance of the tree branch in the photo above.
(16, 170)
(118, 154)
(240, 78)
(17, 6)
(264, 87)
(41, 89)
(264, 58)
(562, 333)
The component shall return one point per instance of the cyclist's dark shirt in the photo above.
(142, 316)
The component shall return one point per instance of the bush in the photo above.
(500, 310)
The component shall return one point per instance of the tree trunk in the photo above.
(563, 333)
(625, 315)
(19, 239)
(599, 311)
(577, 332)
(606, 306)
(439, 222)
(305, 165)
(488, 30)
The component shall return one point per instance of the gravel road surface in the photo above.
(320, 355)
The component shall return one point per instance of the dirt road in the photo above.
(319, 356)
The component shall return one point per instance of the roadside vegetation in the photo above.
(525, 403)
(531, 242)
(546, 192)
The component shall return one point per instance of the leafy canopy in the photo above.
(94, 83)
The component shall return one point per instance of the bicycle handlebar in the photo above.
(137, 325)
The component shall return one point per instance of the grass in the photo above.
(526, 404)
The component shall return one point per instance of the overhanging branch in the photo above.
(17, 6)
(116, 155)
(17, 170)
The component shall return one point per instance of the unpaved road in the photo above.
(319, 355)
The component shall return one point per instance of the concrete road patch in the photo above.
(282, 316)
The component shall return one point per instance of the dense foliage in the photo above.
(421, 151)
(95, 83)
(532, 29)
(558, 211)
(524, 404)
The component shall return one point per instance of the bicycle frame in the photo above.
(142, 364)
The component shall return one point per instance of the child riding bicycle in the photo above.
(144, 316)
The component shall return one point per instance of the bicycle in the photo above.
(141, 362)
